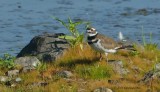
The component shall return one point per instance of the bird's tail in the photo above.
(121, 37)
(125, 44)
(128, 47)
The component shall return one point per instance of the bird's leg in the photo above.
(106, 57)
(100, 58)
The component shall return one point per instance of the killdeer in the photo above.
(102, 43)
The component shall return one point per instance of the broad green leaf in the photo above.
(67, 37)
(78, 23)
(63, 23)
(69, 20)
(77, 37)
(81, 46)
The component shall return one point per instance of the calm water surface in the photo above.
(21, 20)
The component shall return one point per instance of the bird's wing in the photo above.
(107, 42)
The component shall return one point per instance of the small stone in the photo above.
(142, 12)
(40, 84)
(13, 85)
(65, 74)
(157, 67)
(4, 78)
(118, 67)
(113, 81)
(102, 89)
(43, 83)
(18, 79)
(157, 74)
(12, 73)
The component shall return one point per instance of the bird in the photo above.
(104, 44)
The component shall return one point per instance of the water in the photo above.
(21, 20)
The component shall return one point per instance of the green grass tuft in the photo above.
(151, 46)
(93, 71)
(7, 61)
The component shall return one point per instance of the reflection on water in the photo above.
(21, 20)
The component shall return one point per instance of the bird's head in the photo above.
(91, 31)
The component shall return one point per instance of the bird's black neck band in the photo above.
(92, 37)
(91, 42)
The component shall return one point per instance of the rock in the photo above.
(12, 73)
(65, 74)
(39, 84)
(142, 12)
(27, 63)
(113, 81)
(102, 89)
(4, 78)
(148, 76)
(157, 67)
(18, 79)
(118, 67)
(47, 47)
(151, 74)
(13, 85)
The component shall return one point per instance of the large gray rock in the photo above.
(27, 63)
(46, 47)
(118, 67)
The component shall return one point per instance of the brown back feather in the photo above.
(107, 42)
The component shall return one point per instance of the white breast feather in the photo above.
(98, 47)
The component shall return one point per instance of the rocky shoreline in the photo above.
(48, 48)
